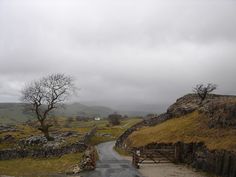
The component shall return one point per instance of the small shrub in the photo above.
(114, 119)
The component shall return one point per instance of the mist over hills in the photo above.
(15, 112)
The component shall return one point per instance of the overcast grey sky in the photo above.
(121, 52)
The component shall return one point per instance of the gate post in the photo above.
(135, 159)
(178, 152)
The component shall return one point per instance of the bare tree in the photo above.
(203, 90)
(45, 95)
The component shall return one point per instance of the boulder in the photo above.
(66, 134)
(76, 169)
(33, 140)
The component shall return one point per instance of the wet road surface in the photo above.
(111, 164)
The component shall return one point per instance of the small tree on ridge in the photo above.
(203, 90)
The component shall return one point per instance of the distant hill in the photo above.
(14, 112)
(77, 109)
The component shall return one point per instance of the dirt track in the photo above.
(168, 170)
(111, 164)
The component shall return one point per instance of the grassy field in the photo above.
(25, 130)
(109, 133)
(31, 166)
(190, 128)
(63, 125)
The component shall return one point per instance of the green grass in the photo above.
(190, 128)
(30, 166)
(113, 131)
(23, 131)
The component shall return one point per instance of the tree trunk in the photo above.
(44, 128)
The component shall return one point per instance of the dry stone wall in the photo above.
(80, 146)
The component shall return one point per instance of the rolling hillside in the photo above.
(14, 112)
(213, 123)
(190, 128)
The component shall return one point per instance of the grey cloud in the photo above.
(120, 52)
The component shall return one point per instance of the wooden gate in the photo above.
(153, 156)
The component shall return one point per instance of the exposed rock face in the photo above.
(220, 113)
(217, 107)
(184, 105)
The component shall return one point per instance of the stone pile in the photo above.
(34, 140)
(89, 160)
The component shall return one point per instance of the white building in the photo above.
(97, 118)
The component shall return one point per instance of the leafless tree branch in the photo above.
(203, 90)
(47, 94)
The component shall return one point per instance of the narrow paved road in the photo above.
(111, 164)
